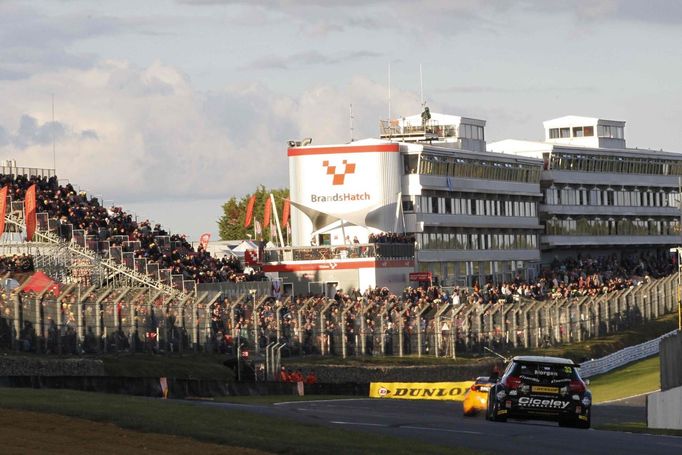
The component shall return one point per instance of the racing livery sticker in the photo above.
(453, 391)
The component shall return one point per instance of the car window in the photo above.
(544, 372)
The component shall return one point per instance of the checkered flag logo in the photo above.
(339, 178)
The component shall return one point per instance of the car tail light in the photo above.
(512, 382)
(576, 386)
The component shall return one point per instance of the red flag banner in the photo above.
(267, 212)
(30, 211)
(285, 212)
(203, 240)
(249, 211)
(3, 208)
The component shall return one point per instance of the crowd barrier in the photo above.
(623, 357)
(93, 319)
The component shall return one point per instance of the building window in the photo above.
(565, 132)
(588, 131)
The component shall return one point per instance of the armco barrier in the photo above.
(622, 357)
(178, 388)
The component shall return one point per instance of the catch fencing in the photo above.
(82, 319)
(623, 357)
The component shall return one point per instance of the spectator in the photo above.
(311, 378)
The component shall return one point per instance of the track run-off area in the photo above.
(442, 423)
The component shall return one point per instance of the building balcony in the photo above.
(340, 252)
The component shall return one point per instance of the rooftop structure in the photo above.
(450, 130)
(585, 132)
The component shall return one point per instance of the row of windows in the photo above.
(613, 132)
(610, 197)
(464, 241)
(471, 168)
(468, 206)
(471, 132)
(624, 226)
(578, 131)
(617, 164)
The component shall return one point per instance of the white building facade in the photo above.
(598, 196)
(472, 214)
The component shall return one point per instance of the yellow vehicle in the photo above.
(476, 398)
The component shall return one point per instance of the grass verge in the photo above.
(211, 424)
(633, 379)
(637, 427)
(272, 399)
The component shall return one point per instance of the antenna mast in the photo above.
(421, 86)
(389, 91)
(54, 154)
(351, 121)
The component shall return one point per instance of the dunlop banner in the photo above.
(453, 391)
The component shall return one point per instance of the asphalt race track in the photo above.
(442, 423)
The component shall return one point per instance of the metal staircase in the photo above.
(68, 261)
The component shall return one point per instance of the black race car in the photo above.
(543, 388)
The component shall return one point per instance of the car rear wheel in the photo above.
(495, 413)
(584, 424)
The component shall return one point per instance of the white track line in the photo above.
(338, 422)
(440, 429)
(320, 401)
(627, 398)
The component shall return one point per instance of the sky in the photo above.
(170, 107)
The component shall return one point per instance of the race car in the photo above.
(543, 388)
(476, 398)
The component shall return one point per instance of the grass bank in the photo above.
(211, 424)
(633, 379)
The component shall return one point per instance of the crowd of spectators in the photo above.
(391, 237)
(17, 263)
(87, 214)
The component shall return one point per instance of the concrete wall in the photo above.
(664, 409)
(671, 362)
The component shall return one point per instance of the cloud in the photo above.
(138, 134)
(32, 42)
(308, 58)
(528, 89)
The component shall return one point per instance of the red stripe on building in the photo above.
(332, 265)
(380, 148)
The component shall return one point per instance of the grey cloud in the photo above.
(309, 58)
(491, 89)
(449, 15)
(30, 132)
(32, 43)
(132, 83)
(242, 114)
(89, 134)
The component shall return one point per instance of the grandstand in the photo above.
(114, 284)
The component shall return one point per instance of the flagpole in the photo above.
(279, 228)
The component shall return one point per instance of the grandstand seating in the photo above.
(114, 234)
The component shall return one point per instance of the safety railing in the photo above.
(317, 326)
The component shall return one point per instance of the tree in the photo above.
(231, 224)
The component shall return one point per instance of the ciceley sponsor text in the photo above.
(340, 197)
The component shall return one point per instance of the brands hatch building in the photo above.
(474, 215)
